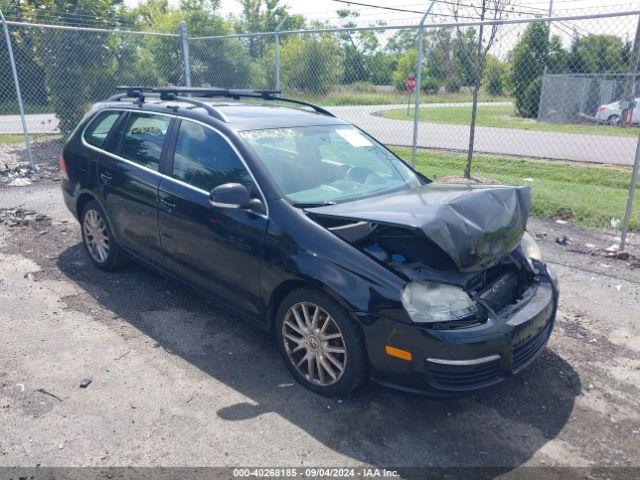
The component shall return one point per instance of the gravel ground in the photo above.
(15, 168)
(178, 381)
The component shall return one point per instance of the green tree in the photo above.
(599, 54)
(311, 63)
(78, 68)
(264, 16)
(495, 72)
(528, 60)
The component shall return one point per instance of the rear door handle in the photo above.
(105, 177)
(167, 204)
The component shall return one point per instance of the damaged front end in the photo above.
(477, 303)
(457, 247)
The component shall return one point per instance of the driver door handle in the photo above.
(167, 204)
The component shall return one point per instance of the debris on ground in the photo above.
(44, 392)
(20, 217)
(20, 182)
(15, 169)
(85, 383)
(563, 240)
(616, 254)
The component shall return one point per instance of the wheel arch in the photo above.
(288, 286)
(84, 197)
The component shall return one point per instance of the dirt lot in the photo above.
(177, 381)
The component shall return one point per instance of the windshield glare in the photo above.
(328, 164)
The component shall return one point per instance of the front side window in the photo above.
(204, 159)
(319, 165)
(143, 139)
(99, 128)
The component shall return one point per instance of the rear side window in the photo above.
(99, 128)
(204, 159)
(143, 138)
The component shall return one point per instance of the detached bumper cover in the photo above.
(450, 362)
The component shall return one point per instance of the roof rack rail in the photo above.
(173, 93)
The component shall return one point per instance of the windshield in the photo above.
(321, 165)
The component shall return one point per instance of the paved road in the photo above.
(36, 123)
(178, 381)
(508, 141)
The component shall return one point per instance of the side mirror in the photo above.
(230, 195)
(235, 195)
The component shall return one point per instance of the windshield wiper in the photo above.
(314, 204)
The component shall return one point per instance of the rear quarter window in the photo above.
(98, 130)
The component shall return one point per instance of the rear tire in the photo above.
(321, 345)
(98, 240)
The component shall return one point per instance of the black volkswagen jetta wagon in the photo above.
(360, 266)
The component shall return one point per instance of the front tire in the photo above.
(97, 237)
(320, 344)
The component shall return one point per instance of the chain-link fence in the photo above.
(560, 88)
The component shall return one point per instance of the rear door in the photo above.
(216, 249)
(129, 181)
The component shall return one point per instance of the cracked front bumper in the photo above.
(458, 361)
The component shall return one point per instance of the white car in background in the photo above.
(610, 113)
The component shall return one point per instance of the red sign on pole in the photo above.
(410, 82)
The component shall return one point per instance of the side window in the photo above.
(205, 160)
(143, 138)
(99, 128)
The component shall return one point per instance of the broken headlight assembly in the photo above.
(432, 302)
(531, 251)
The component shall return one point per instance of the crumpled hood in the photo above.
(476, 225)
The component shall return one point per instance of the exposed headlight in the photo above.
(428, 302)
(531, 250)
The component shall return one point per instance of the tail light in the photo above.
(63, 168)
(603, 107)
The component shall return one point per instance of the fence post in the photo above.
(416, 110)
(184, 41)
(276, 39)
(16, 82)
(631, 195)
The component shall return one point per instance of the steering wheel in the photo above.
(357, 174)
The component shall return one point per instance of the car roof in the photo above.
(238, 115)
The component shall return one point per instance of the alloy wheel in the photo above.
(96, 237)
(314, 344)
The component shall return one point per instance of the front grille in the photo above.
(463, 377)
(525, 350)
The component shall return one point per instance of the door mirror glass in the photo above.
(230, 195)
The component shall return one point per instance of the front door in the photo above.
(129, 183)
(216, 249)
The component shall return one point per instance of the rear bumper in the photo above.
(455, 362)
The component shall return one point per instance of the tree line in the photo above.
(69, 69)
